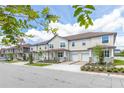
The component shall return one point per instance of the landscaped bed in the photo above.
(102, 68)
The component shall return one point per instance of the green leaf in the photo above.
(78, 11)
(86, 26)
(80, 18)
(45, 11)
(90, 21)
(82, 22)
(75, 6)
(88, 12)
(90, 7)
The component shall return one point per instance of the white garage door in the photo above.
(85, 57)
(75, 57)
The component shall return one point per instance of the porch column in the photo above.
(90, 56)
(65, 56)
(112, 55)
(64, 53)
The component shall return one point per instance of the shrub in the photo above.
(115, 70)
(101, 69)
(109, 70)
(122, 70)
(87, 68)
(83, 68)
(92, 68)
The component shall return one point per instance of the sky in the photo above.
(106, 18)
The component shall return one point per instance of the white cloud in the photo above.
(67, 29)
(38, 36)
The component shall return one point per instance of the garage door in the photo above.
(85, 57)
(75, 57)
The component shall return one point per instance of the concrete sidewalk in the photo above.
(64, 67)
(20, 63)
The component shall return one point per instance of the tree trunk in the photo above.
(30, 58)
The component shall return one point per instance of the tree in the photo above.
(98, 52)
(83, 14)
(16, 18)
(30, 58)
(10, 56)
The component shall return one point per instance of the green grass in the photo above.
(38, 64)
(118, 62)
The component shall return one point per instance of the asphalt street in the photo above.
(14, 76)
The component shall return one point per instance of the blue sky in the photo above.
(105, 18)
(66, 11)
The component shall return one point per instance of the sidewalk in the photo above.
(20, 63)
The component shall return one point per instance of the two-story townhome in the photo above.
(19, 52)
(76, 47)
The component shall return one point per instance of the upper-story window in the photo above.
(105, 39)
(32, 49)
(73, 43)
(83, 43)
(62, 44)
(45, 47)
(50, 45)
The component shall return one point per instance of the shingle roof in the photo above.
(87, 35)
(41, 43)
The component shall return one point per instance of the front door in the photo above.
(61, 56)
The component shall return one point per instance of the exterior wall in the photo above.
(91, 42)
(56, 42)
(106, 59)
(18, 53)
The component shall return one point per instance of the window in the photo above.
(106, 53)
(50, 45)
(62, 44)
(73, 43)
(105, 39)
(83, 43)
(60, 54)
(31, 48)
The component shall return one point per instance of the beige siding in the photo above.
(56, 42)
(90, 43)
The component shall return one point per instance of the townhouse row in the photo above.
(77, 47)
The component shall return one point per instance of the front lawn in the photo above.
(118, 62)
(38, 64)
